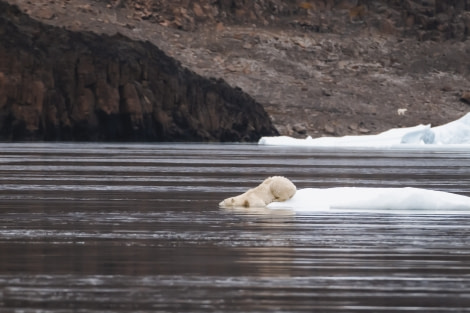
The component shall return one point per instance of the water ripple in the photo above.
(137, 228)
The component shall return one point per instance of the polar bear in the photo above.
(276, 188)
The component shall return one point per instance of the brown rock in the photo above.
(353, 126)
(37, 95)
(329, 129)
(85, 8)
(25, 117)
(306, 6)
(107, 98)
(387, 27)
(113, 73)
(219, 27)
(131, 100)
(45, 13)
(300, 129)
(465, 97)
(240, 13)
(84, 106)
(3, 91)
(86, 71)
(67, 85)
(198, 10)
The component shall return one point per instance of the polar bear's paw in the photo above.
(276, 188)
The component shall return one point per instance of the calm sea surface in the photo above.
(137, 228)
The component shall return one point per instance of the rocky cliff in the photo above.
(56, 84)
(430, 19)
(318, 67)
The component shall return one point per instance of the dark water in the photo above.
(137, 228)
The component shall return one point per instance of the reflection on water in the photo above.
(104, 227)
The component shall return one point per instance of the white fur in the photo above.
(276, 188)
(401, 111)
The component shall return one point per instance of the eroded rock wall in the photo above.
(61, 85)
(426, 20)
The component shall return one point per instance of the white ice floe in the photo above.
(456, 132)
(373, 199)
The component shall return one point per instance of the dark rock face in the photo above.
(61, 85)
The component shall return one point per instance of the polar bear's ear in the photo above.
(227, 202)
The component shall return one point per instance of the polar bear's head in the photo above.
(276, 188)
(281, 188)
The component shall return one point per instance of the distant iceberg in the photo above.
(374, 199)
(456, 132)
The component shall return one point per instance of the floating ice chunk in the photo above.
(360, 198)
(421, 136)
(456, 132)
(390, 137)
